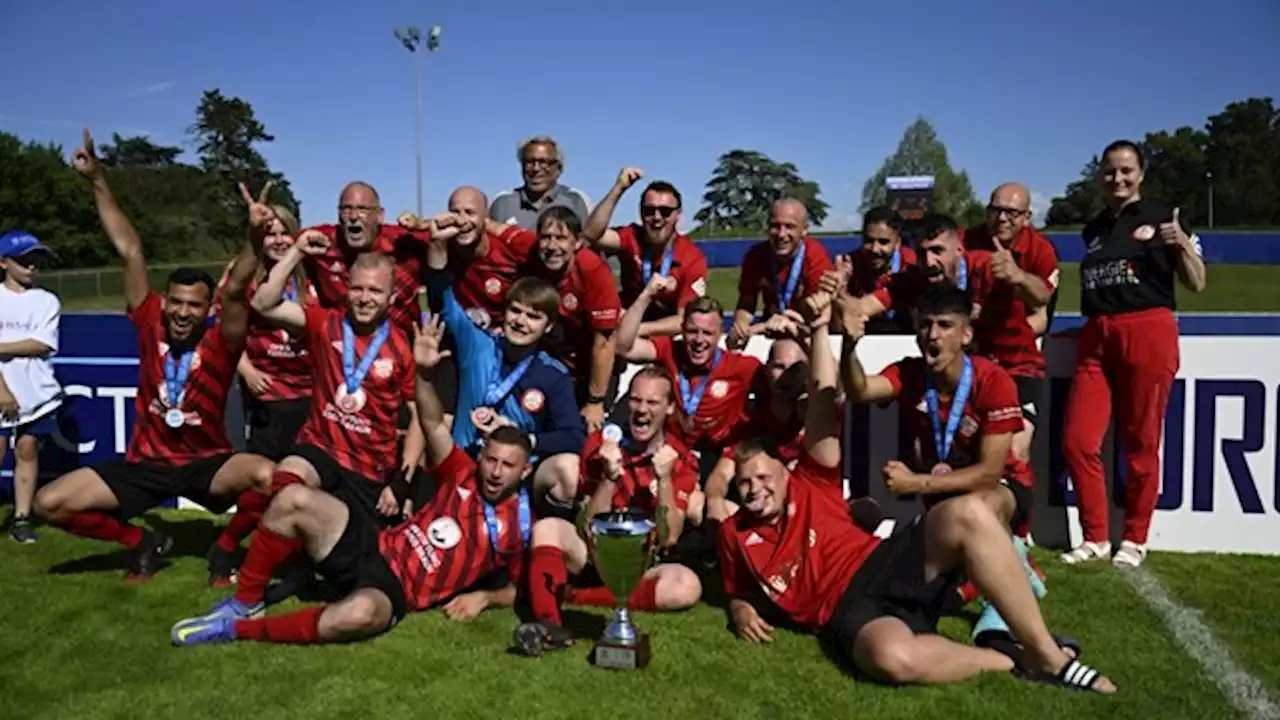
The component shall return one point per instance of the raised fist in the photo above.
(627, 177)
(313, 242)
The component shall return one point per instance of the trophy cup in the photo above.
(620, 548)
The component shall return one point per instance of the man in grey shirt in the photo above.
(541, 163)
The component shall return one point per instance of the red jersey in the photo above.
(203, 401)
(330, 272)
(1002, 331)
(446, 547)
(723, 392)
(905, 288)
(480, 285)
(866, 280)
(589, 304)
(992, 408)
(638, 487)
(805, 560)
(688, 267)
(358, 430)
(273, 350)
(764, 274)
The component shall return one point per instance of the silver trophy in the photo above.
(621, 549)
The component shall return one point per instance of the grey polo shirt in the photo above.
(513, 207)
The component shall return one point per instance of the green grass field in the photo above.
(1232, 288)
(82, 644)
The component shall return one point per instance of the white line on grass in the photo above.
(1244, 691)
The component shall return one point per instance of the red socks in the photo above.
(299, 627)
(101, 526)
(267, 551)
(281, 479)
(249, 509)
(968, 592)
(547, 578)
(643, 597)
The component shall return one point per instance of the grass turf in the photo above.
(81, 643)
(1232, 288)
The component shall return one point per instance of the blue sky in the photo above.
(1025, 90)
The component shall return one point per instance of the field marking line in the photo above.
(1243, 690)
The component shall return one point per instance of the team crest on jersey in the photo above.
(719, 389)
(533, 400)
(493, 286)
(1144, 233)
(383, 367)
(444, 533)
(570, 302)
(968, 426)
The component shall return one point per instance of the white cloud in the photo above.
(153, 88)
(1039, 207)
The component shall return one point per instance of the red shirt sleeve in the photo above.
(732, 574)
(409, 375)
(816, 264)
(664, 351)
(996, 401)
(602, 303)
(455, 468)
(749, 277)
(1043, 261)
(894, 292)
(149, 312)
(893, 374)
(317, 320)
(816, 471)
(589, 466)
(693, 277)
(520, 241)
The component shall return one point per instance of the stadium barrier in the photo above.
(1220, 491)
(1233, 248)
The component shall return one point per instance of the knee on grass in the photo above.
(896, 663)
(359, 616)
(678, 587)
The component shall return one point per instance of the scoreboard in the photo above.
(911, 198)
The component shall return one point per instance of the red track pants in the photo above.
(1127, 361)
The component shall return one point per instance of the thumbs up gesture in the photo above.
(1003, 266)
(1171, 233)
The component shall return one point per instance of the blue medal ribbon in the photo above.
(355, 375)
(942, 442)
(793, 277)
(895, 266)
(176, 372)
(962, 274)
(291, 290)
(526, 521)
(502, 386)
(691, 400)
(665, 269)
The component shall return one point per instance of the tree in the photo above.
(41, 194)
(225, 135)
(920, 152)
(743, 188)
(1081, 201)
(136, 152)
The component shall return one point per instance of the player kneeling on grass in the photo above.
(639, 468)
(474, 531)
(793, 550)
(963, 412)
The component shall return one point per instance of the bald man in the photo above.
(783, 270)
(1025, 263)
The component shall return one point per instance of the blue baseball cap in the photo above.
(19, 242)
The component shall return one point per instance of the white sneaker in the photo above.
(1087, 552)
(1130, 555)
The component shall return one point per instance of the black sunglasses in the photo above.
(665, 211)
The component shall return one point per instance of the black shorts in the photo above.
(139, 487)
(1023, 501)
(355, 563)
(1033, 396)
(891, 583)
(359, 493)
(273, 425)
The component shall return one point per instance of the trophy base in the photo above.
(615, 656)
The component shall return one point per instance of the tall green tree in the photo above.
(922, 152)
(226, 135)
(136, 151)
(743, 188)
(40, 193)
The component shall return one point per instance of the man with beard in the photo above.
(784, 269)
(507, 379)
(541, 163)
(179, 446)
(640, 468)
(713, 384)
(792, 550)
(649, 249)
(459, 551)
(869, 268)
(589, 310)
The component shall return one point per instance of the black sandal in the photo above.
(1003, 642)
(1075, 675)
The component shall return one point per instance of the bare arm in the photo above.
(821, 427)
(596, 230)
(234, 317)
(124, 237)
(631, 345)
(415, 442)
(502, 597)
(427, 355)
(269, 300)
(604, 351)
(1192, 271)
(985, 473)
(668, 326)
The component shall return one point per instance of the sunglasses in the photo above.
(665, 211)
(1007, 212)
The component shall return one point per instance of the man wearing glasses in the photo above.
(541, 163)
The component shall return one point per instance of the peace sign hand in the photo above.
(260, 213)
(83, 159)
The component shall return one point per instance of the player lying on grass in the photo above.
(640, 468)
(451, 552)
(793, 551)
(963, 413)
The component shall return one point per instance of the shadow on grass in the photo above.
(192, 537)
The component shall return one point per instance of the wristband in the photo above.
(594, 399)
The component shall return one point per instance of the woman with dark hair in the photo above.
(1127, 354)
